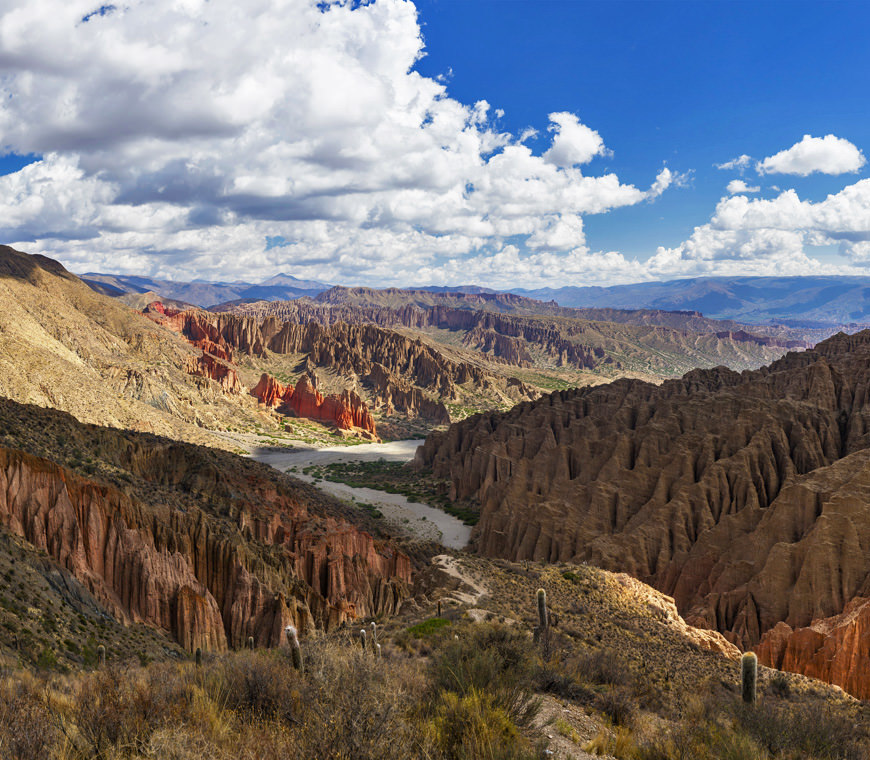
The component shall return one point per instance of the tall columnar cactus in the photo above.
(101, 655)
(749, 677)
(543, 615)
(374, 634)
(251, 643)
(542, 630)
(377, 650)
(198, 657)
(295, 649)
(362, 638)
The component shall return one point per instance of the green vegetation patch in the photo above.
(394, 477)
(428, 627)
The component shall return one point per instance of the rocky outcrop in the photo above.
(404, 375)
(835, 649)
(213, 368)
(520, 331)
(742, 495)
(202, 544)
(216, 362)
(346, 410)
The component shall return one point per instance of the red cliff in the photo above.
(345, 411)
(834, 649)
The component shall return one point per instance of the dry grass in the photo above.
(346, 705)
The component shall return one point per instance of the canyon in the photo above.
(742, 495)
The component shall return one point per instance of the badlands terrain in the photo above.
(169, 483)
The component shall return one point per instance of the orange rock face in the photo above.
(200, 575)
(835, 649)
(346, 411)
(216, 361)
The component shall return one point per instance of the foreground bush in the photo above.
(347, 705)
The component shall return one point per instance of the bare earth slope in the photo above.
(744, 496)
(65, 346)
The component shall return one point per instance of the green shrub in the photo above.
(494, 659)
(428, 627)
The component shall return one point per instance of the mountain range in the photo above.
(808, 302)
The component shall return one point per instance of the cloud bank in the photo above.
(176, 137)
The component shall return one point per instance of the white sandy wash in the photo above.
(411, 517)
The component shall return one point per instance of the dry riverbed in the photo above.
(411, 517)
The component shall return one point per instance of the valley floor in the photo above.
(409, 517)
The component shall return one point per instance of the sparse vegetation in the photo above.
(394, 477)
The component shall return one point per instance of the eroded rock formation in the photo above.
(403, 375)
(205, 545)
(744, 496)
(346, 410)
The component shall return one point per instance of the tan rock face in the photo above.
(210, 578)
(64, 346)
(744, 496)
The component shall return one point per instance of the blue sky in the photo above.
(690, 83)
(389, 143)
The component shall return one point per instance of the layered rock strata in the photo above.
(403, 375)
(346, 410)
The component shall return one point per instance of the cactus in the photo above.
(543, 616)
(251, 643)
(377, 650)
(542, 630)
(101, 655)
(374, 634)
(749, 677)
(197, 656)
(362, 638)
(295, 649)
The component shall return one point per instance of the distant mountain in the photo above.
(203, 293)
(467, 289)
(288, 280)
(800, 301)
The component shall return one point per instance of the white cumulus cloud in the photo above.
(736, 186)
(176, 137)
(741, 162)
(771, 236)
(826, 155)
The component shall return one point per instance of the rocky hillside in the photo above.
(201, 544)
(744, 496)
(398, 374)
(521, 332)
(65, 346)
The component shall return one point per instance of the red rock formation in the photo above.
(835, 649)
(269, 391)
(392, 365)
(213, 368)
(346, 411)
(217, 357)
(193, 573)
